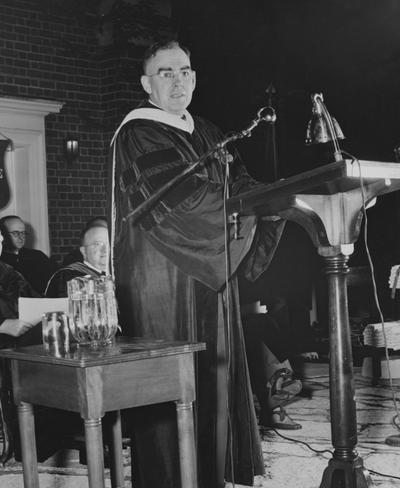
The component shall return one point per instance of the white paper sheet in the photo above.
(32, 309)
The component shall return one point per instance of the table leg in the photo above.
(187, 447)
(116, 458)
(346, 468)
(28, 445)
(94, 452)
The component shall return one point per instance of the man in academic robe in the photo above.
(171, 270)
(95, 251)
(33, 264)
(13, 331)
(12, 286)
(75, 255)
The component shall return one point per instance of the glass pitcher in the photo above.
(92, 310)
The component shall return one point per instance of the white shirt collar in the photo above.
(100, 271)
(159, 115)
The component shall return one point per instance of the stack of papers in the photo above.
(32, 309)
(373, 335)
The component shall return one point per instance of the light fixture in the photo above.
(322, 127)
(71, 149)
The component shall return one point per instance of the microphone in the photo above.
(267, 114)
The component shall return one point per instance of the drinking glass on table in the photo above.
(55, 333)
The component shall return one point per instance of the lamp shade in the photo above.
(318, 130)
(322, 127)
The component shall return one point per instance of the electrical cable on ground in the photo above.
(323, 451)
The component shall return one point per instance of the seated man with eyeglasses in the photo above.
(95, 251)
(33, 264)
(75, 254)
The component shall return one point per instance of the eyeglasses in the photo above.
(18, 233)
(169, 74)
(98, 245)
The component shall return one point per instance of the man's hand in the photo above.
(310, 356)
(15, 327)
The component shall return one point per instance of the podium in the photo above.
(328, 203)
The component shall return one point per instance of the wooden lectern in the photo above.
(328, 203)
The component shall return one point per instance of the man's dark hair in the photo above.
(161, 46)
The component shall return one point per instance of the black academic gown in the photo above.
(12, 286)
(33, 264)
(170, 274)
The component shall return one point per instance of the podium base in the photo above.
(346, 474)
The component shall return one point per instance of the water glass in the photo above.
(55, 333)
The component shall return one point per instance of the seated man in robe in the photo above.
(12, 286)
(12, 331)
(269, 367)
(75, 255)
(276, 324)
(33, 264)
(52, 425)
(95, 251)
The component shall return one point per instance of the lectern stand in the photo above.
(328, 203)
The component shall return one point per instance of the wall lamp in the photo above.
(71, 149)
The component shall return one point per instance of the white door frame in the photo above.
(22, 121)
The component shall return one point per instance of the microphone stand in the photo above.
(266, 114)
(270, 147)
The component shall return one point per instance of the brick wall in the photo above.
(50, 50)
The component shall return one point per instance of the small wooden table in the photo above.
(131, 373)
